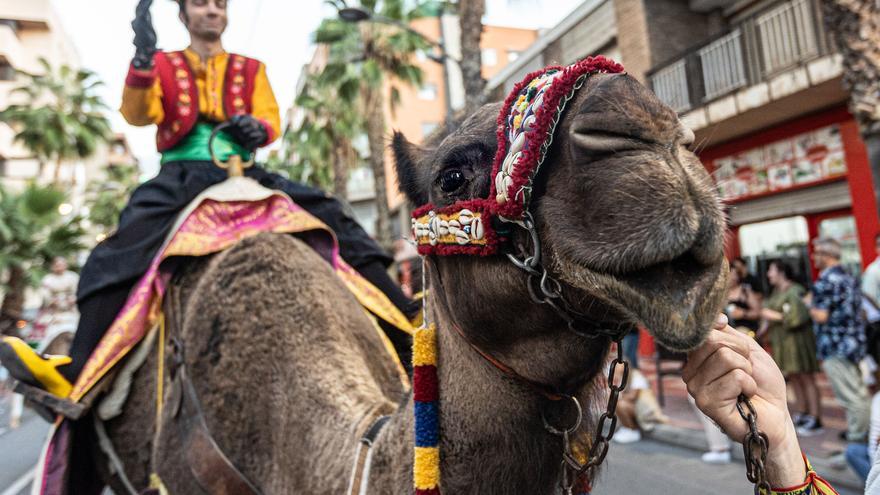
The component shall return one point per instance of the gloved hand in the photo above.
(144, 36)
(247, 131)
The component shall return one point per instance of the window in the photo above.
(7, 72)
(512, 55)
(428, 92)
(428, 128)
(490, 56)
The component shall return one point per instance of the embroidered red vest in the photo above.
(180, 98)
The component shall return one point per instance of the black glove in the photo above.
(247, 131)
(144, 36)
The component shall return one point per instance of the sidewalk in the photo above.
(684, 428)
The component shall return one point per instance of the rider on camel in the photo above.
(186, 94)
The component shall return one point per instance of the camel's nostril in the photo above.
(592, 141)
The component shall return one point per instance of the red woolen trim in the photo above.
(426, 378)
(525, 170)
(141, 79)
(482, 206)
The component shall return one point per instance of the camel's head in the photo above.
(628, 218)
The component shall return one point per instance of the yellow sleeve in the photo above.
(265, 108)
(142, 105)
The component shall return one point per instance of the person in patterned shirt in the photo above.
(840, 335)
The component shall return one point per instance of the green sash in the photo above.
(194, 147)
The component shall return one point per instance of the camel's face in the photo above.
(628, 217)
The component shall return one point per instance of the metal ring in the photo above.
(580, 417)
(219, 128)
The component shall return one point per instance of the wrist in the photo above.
(785, 461)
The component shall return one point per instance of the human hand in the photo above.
(144, 36)
(729, 364)
(247, 131)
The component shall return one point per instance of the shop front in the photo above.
(787, 185)
(795, 182)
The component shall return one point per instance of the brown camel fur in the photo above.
(286, 365)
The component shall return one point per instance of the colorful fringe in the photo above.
(426, 458)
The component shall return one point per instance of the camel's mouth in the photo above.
(676, 300)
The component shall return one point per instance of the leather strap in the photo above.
(360, 475)
(213, 471)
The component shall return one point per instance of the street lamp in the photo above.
(356, 14)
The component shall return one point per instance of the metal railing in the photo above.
(787, 35)
(671, 86)
(782, 37)
(722, 63)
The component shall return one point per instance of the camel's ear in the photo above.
(412, 171)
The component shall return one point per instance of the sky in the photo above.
(278, 32)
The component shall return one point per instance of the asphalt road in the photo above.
(19, 450)
(649, 467)
(646, 467)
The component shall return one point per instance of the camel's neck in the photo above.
(492, 438)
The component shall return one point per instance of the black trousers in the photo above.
(116, 264)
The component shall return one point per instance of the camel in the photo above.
(288, 369)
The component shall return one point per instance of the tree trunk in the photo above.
(470, 19)
(56, 175)
(13, 300)
(340, 169)
(373, 105)
(854, 26)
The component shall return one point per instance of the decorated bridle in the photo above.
(526, 126)
(482, 227)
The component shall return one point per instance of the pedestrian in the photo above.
(871, 303)
(631, 347)
(860, 456)
(747, 278)
(719, 442)
(637, 409)
(743, 304)
(840, 335)
(793, 344)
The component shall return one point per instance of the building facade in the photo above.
(29, 31)
(762, 90)
(420, 110)
(761, 86)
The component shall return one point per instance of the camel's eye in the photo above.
(451, 180)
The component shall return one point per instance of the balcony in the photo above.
(783, 37)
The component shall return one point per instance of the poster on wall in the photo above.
(800, 160)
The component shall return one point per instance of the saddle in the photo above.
(217, 219)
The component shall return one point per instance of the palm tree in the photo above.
(109, 196)
(325, 136)
(32, 232)
(855, 27)
(61, 116)
(470, 19)
(373, 53)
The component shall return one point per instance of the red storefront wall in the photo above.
(861, 188)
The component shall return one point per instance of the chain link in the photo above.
(572, 468)
(755, 446)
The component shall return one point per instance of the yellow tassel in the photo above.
(424, 347)
(426, 468)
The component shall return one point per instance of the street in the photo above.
(19, 450)
(643, 467)
(652, 467)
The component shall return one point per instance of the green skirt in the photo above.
(794, 350)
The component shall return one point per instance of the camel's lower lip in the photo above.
(676, 301)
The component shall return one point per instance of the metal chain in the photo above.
(755, 446)
(572, 469)
(546, 289)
